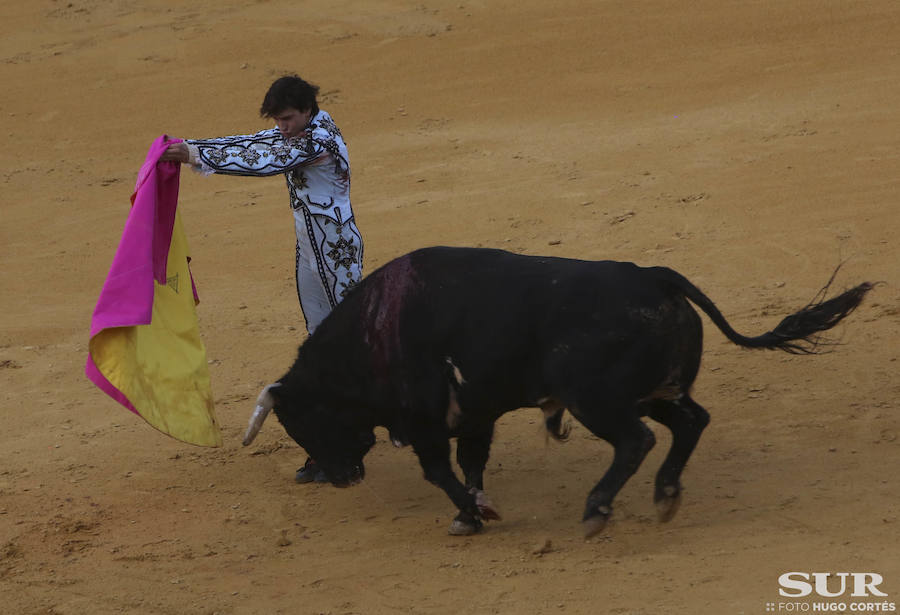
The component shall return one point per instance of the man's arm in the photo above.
(265, 153)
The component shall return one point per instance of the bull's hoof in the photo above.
(668, 504)
(461, 528)
(595, 524)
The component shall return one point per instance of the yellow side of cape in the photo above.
(161, 367)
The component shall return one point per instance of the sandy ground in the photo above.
(753, 146)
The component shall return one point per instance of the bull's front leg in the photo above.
(432, 446)
(472, 450)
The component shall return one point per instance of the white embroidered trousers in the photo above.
(329, 263)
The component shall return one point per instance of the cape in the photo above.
(145, 349)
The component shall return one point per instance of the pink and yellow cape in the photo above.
(145, 349)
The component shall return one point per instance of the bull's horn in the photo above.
(264, 404)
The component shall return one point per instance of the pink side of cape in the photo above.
(126, 299)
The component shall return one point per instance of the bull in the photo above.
(441, 342)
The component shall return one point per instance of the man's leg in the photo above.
(329, 264)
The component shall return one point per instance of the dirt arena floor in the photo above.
(753, 146)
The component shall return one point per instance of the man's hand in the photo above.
(177, 152)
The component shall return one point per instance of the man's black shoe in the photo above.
(310, 472)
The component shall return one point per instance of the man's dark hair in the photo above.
(290, 91)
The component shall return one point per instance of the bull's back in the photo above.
(496, 285)
(491, 295)
(504, 314)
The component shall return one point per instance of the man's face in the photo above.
(291, 122)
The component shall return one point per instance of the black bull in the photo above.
(441, 342)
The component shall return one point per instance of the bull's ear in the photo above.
(264, 404)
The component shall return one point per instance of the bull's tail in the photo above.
(797, 333)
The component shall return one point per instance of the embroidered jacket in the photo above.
(316, 163)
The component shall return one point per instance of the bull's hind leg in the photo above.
(632, 440)
(686, 419)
